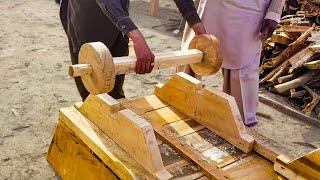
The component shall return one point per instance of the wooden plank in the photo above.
(221, 154)
(149, 103)
(213, 109)
(165, 116)
(128, 130)
(304, 167)
(185, 127)
(210, 169)
(251, 167)
(105, 148)
(71, 158)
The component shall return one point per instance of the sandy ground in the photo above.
(34, 83)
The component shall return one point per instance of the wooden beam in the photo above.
(212, 108)
(128, 130)
(304, 167)
(119, 161)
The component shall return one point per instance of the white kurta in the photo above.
(236, 24)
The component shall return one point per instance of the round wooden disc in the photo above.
(99, 57)
(211, 62)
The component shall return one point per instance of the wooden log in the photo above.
(292, 29)
(134, 134)
(297, 94)
(298, 82)
(282, 59)
(281, 38)
(315, 100)
(302, 57)
(313, 65)
(304, 167)
(286, 78)
(213, 109)
(282, 71)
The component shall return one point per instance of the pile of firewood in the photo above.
(290, 61)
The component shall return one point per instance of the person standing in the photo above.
(108, 21)
(241, 27)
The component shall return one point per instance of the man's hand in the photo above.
(199, 29)
(267, 28)
(145, 57)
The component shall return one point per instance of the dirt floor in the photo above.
(34, 84)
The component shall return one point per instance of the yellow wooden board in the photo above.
(304, 167)
(73, 159)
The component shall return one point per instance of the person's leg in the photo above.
(235, 89)
(74, 60)
(118, 49)
(249, 80)
(243, 85)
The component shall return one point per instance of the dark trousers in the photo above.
(118, 49)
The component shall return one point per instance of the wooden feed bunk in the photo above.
(103, 138)
(183, 131)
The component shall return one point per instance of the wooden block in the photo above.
(101, 145)
(213, 109)
(304, 167)
(219, 112)
(137, 137)
(128, 130)
(180, 92)
(281, 38)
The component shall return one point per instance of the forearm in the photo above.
(188, 11)
(275, 10)
(114, 10)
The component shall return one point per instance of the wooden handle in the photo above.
(164, 60)
(127, 64)
(79, 70)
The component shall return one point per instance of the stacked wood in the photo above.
(291, 59)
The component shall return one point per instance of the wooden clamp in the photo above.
(213, 109)
(304, 167)
(98, 69)
(134, 134)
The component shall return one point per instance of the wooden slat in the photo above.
(149, 103)
(128, 130)
(212, 108)
(165, 116)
